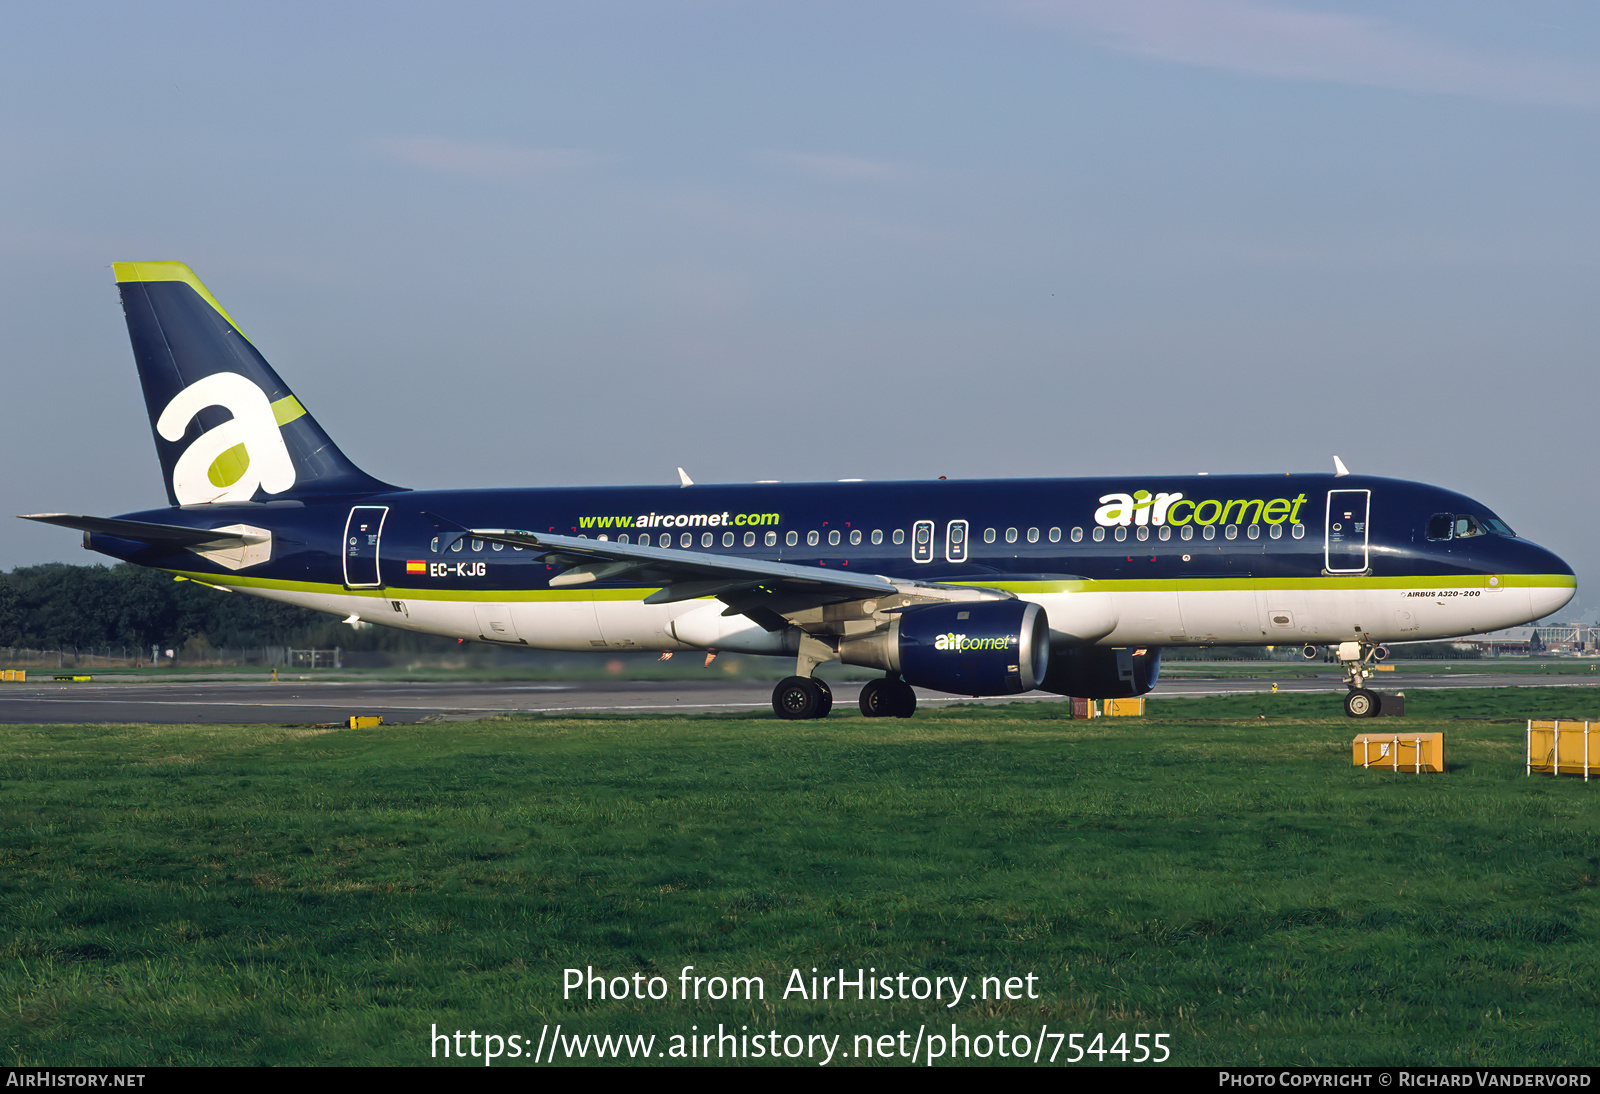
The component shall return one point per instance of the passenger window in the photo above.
(1164, 534)
(727, 539)
(1033, 535)
(1142, 534)
(1011, 535)
(1299, 531)
(477, 545)
(922, 547)
(458, 544)
(855, 537)
(811, 539)
(1055, 535)
(899, 536)
(1277, 531)
(1077, 535)
(1210, 532)
(1187, 532)
(1121, 533)
(686, 540)
(434, 546)
(705, 539)
(1231, 531)
(988, 535)
(750, 539)
(666, 539)
(877, 536)
(1255, 531)
(791, 538)
(623, 538)
(772, 539)
(833, 538)
(502, 546)
(1099, 535)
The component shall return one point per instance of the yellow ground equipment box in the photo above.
(1564, 747)
(365, 721)
(1085, 708)
(19, 675)
(1125, 708)
(1415, 752)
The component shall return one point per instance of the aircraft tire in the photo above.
(827, 695)
(798, 697)
(904, 701)
(877, 699)
(1361, 703)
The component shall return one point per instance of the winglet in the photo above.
(1339, 469)
(683, 478)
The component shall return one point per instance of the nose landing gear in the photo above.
(1356, 659)
(1362, 703)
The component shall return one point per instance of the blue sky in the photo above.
(523, 244)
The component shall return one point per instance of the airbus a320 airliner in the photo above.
(997, 587)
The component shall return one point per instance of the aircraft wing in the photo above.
(161, 535)
(767, 592)
(682, 575)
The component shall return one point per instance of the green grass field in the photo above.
(258, 895)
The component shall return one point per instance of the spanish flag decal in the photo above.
(415, 566)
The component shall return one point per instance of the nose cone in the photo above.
(1551, 582)
(1546, 599)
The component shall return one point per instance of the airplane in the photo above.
(981, 588)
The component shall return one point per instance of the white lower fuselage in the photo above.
(1089, 613)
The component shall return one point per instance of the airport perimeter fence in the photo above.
(129, 657)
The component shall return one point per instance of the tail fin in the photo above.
(226, 428)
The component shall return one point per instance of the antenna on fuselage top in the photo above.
(683, 478)
(1339, 469)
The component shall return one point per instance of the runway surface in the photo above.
(298, 700)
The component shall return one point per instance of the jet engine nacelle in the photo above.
(1090, 672)
(970, 647)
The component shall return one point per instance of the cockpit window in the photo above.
(1465, 525)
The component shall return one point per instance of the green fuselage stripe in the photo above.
(1134, 585)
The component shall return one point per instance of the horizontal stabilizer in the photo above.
(157, 535)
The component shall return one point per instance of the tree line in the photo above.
(59, 606)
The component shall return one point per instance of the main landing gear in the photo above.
(1356, 659)
(890, 697)
(802, 697)
(809, 697)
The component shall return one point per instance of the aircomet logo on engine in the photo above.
(962, 642)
